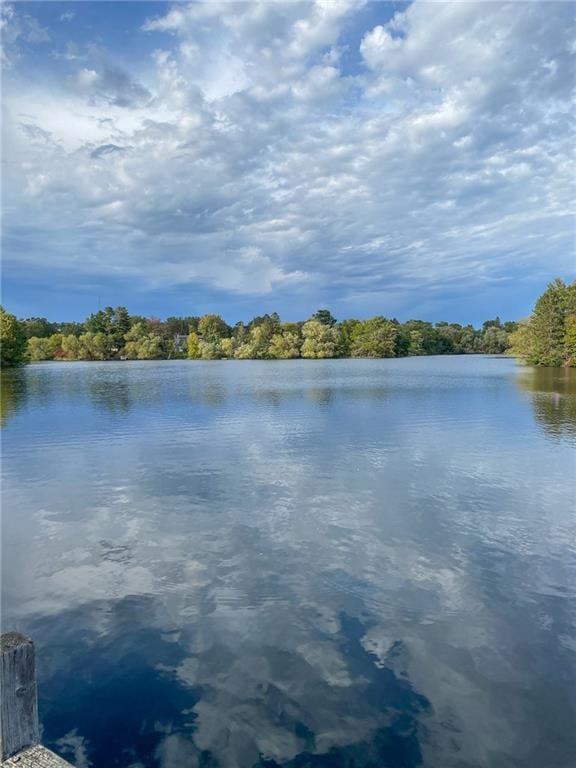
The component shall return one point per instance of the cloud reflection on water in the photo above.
(326, 564)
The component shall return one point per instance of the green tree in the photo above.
(571, 299)
(240, 334)
(347, 328)
(141, 344)
(325, 317)
(71, 346)
(542, 341)
(135, 319)
(494, 340)
(151, 348)
(468, 342)
(227, 348)
(286, 344)
(13, 340)
(548, 324)
(374, 338)
(320, 340)
(262, 329)
(120, 325)
(210, 350)
(570, 341)
(38, 327)
(260, 340)
(37, 349)
(93, 346)
(55, 345)
(67, 329)
(181, 325)
(522, 342)
(416, 343)
(100, 322)
(244, 351)
(271, 322)
(113, 324)
(212, 328)
(428, 336)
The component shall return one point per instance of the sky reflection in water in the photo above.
(325, 564)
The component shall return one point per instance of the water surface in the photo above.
(305, 564)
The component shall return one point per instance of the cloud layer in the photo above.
(297, 149)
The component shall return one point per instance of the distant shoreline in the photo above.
(494, 355)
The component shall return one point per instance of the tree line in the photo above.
(113, 333)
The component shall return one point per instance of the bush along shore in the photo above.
(548, 337)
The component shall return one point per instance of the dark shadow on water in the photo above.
(110, 699)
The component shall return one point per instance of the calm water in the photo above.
(332, 564)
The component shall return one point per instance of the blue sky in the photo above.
(405, 159)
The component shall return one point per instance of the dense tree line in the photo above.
(548, 336)
(115, 334)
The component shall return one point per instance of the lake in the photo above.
(306, 564)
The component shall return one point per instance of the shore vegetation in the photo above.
(547, 337)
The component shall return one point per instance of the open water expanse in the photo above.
(305, 564)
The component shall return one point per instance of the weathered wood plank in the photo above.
(36, 757)
(19, 702)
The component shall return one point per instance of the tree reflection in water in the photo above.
(13, 391)
(552, 393)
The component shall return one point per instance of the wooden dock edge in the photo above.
(35, 757)
(19, 729)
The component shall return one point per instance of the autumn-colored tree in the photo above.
(193, 347)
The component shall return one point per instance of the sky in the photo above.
(403, 159)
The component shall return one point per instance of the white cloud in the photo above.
(250, 160)
(17, 29)
(86, 78)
